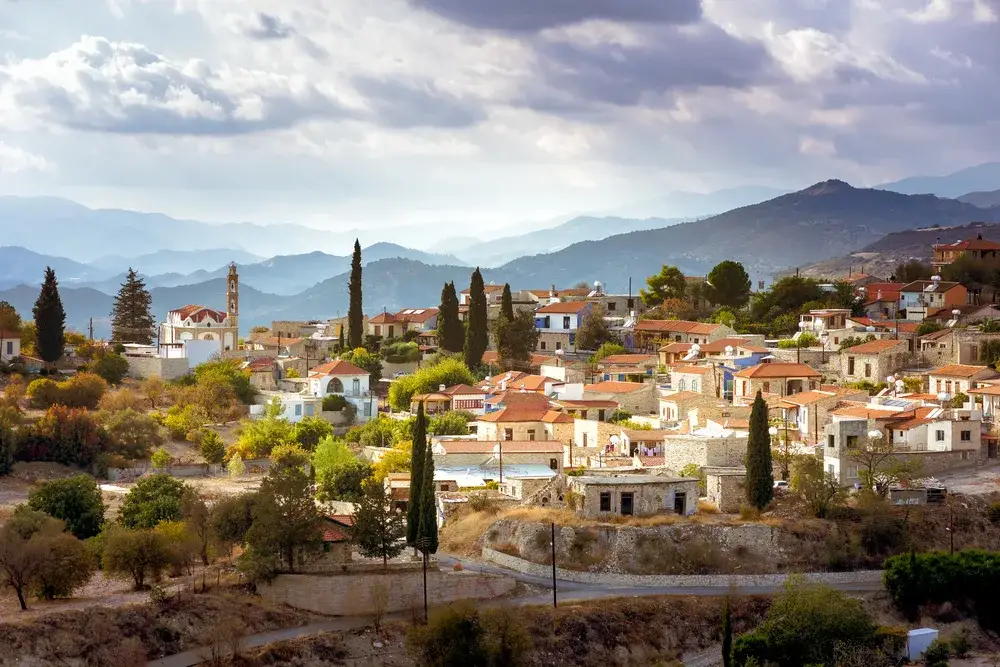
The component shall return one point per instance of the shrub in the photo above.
(111, 367)
(448, 372)
(83, 390)
(181, 545)
(182, 420)
(805, 339)
(136, 555)
(75, 500)
(161, 458)
(961, 644)
(63, 435)
(937, 654)
(344, 482)
(480, 502)
(460, 635)
(131, 434)
(993, 513)
(311, 430)
(619, 416)
(401, 353)
(229, 372)
(153, 499)
(213, 449)
(67, 566)
(749, 512)
(43, 393)
(334, 403)
(124, 398)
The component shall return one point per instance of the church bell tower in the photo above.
(233, 296)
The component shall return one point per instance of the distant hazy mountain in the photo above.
(690, 205)
(982, 199)
(64, 228)
(496, 252)
(827, 219)
(175, 261)
(20, 265)
(983, 177)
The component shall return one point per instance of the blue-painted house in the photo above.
(557, 324)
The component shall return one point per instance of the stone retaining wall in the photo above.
(351, 594)
(679, 581)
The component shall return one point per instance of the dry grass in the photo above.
(707, 507)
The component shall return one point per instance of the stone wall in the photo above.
(351, 594)
(647, 499)
(880, 365)
(681, 450)
(725, 488)
(547, 342)
(679, 581)
(190, 470)
(142, 367)
(937, 462)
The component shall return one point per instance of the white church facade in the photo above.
(207, 325)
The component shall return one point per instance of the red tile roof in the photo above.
(416, 315)
(959, 371)
(466, 446)
(693, 370)
(563, 307)
(383, 318)
(338, 367)
(629, 359)
(778, 370)
(876, 346)
(532, 447)
(677, 326)
(462, 390)
(492, 357)
(676, 348)
(969, 244)
(611, 387)
(199, 313)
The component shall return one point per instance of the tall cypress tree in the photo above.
(451, 335)
(50, 320)
(355, 314)
(131, 316)
(428, 534)
(507, 303)
(340, 339)
(727, 635)
(760, 476)
(416, 477)
(476, 336)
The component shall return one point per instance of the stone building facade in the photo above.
(873, 361)
(634, 495)
(680, 450)
(725, 488)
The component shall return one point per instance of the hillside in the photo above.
(174, 261)
(982, 177)
(828, 219)
(19, 265)
(982, 199)
(881, 257)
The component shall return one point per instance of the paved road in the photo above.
(566, 591)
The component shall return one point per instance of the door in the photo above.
(626, 504)
(680, 502)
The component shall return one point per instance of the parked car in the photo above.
(399, 374)
(780, 485)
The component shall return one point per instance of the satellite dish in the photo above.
(614, 440)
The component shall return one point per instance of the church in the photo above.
(200, 323)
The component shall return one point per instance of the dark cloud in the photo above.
(526, 16)
(267, 26)
(401, 104)
(671, 60)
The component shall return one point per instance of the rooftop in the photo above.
(677, 326)
(778, 370)
(960, 370)
(630, 480)
(611, 387)
(564, 307)
(875, 346)
(337, 367)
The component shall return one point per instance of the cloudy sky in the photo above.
(339, 112)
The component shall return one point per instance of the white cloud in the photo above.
(14, 160)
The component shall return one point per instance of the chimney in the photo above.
(441, 387)
(552, 291)
(979, 237)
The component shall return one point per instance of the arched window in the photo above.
(694, 385)
(335, 386)
(681, 385)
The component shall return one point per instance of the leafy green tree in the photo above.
(819, 488)
(476, 336)
(760, 478)
(378, 529)
(355, 312)
(966, 270)
(66, 565)
(213, 449)
(451, 331)
(927, 327)
(25, 548)
(131, 433)
(331, 454)
(447, 372)
(226, 372)
(507, 303)
(364, 359)
(259, 436)
(75, 500)
(231, 518)
(311, 430)
(516, 340)
(593, 331)
(153, 499)
(161, 458)
(461, 634)
(10, 321)
(418, 457)
(607, 350)
(137, 555)
(111, 367)
(50, 320)
(730, 284)
(286, 522)
(344, 482)
(879, 468)
(427, 535)
(914, 269)
(132, 316)
(669, 283)
(454, 422)
(198, 520)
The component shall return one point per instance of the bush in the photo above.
(480, 502)
(960, 644)
(124, 398)
(401, 353)
(138, 555)
(131, 434)
(993, 513)
(334, 403)
(153, 499)
(448, 372)
(111, 367)
(83, 390)
(63, 435)
(619, 416)
(183, 420)
(966, 579)
(311, 430)
(43, 393)
(805, 339)
(937, 654)
(228, 372)
(461, 635)
(213, 449)
(67, 566)
(161, 458)
(344, 482)
(75, 500)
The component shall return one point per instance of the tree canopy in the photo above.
(476, 335)
(669, 283)
(447, 372)
(450, 330)
(355, 312)
(760, 476)
(50, 320)
(378, 529)
(729, 284)
(75, 500)
(152, 499)
(516, 340)
(131, 316)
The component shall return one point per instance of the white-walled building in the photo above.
(10, 345)
(341, 378)
(194, 322)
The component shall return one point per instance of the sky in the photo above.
(339, 113)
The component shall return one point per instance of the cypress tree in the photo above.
(476, 336)
(727, 635)
(760, 476)
(340, 339)
(50, 320)
(355, 314)
(451, 335)
(131, 317)
(416, 477)
(428, 535)
(507, 303)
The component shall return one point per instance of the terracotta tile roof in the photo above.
(611, 387)
(532, 447)
(199, 313)
(875, 346)
(261, 364)
(462, 390)
(488, 289)
(466, 446)
(532, 383)
(337, 367)
(384, 318)
(640, 435)
(587, 404)
(777, 370)
(978, 243)
(677, 326)
(629, 359)
(276, 341)
(959, 371)
(681, 396)
(922, 285)
(890, 291)
(563, 307)
(520, 413)
(935, 335)
(676, 348)
(509, 377)
(8, 335)
(342, 519)
(434, 397)
(865, 412)
(337, 528)
(989, 390)
(555, 417)
(694, 370)
(808, 397)
(651, 461)
(416, 315)
(910, 424)
(522, 398)
(492, 357)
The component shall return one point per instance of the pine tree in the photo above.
(760, 476)
(416, 477)
(727, 635)
(50, 320)
(131, 317)
(355, 314)
(428, 535)
(476, 337)
(377, 526)
(507, 303)
(451, 334)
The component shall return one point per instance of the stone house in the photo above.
(523, 488)
(780, 379)
(634, 495)
(697, 379)
(595, 435)
(277, 346)
(584, 409)
(628, 367)
(725, 487)
(954, 379)
(456, 452)
(938, 347)
(394, 325)
(639, 398)
(873, 361)
(263, 373)
(549, 453)
(972, 313)
(342, 378)
(652, 334)
(336, 543)
(676, 406)
(809, 411)
(525, 422)
(637, 442)
(557, 324)
(982, 251)
(724, 448)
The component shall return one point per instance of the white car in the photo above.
(780, 485)
(399, 374)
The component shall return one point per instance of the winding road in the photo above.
(566, 591)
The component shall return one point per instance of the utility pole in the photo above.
(91, 329)
(555, 602)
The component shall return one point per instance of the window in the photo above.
(966, 436)
(852, 441)
(444, 487)
(548, 322)
(541, 345)
(565, 321)
(600, 415)
(531, 434)
(585, 439)
(868, 370)
(626, 503)
(356, 386)
(368, 409)
(298, 409)
(611, 306)
(558, 345)
(850, 365)
(682, 385)
(766, 388)
(554, 464)
(939, 386)
(939, 435)
(947, 386)
(378, 330)
(508, 434)
(310, 410)
(605, 501)
(10, 347)
(830, 441)
(694, 385)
